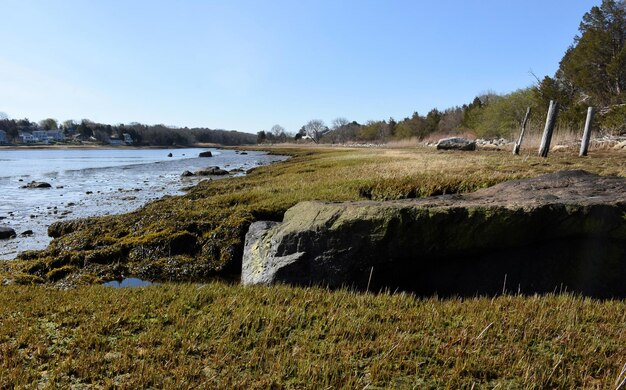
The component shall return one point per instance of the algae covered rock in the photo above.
(562, 230)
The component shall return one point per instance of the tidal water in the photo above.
(96, 182)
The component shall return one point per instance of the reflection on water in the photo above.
(128, 282)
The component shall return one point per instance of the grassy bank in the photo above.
(223, 336)
(200, 235)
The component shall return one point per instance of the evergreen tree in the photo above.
(595, 66)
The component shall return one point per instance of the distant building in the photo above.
(55, 135)
(3, 137)
(40, 135)
(128, 140)
(27, 138)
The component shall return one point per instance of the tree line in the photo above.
(592, 72)
(142, 135)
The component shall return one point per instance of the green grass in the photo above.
(224, 336)
(200, 235)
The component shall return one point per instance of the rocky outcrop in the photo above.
(456, 143)
(212, 171)
(37, 184)
(6, 232)
(565, 230)
(205, 154)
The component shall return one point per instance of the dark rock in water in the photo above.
(236, 170)
(89, 192)
(187, 174)
(244, 153)
(205, 154)
(37, 184)
(563, 230)
(27, 233)
(60, 187)
(456, 143)
(170, 155)
(6, 232)
(21, 180)
(212, 171)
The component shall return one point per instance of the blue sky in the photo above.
(247, 65)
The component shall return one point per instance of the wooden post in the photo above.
(549, 129)
(584, 146)
(518, 144)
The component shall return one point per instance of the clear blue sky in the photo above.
(247, 65)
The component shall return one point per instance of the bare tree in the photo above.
(315, 129)
(340, 122)
(278, 130)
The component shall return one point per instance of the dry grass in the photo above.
(221, 336)
(226, 336)
(195, 236)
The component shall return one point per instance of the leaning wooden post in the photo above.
(549, 129)
(518, 144)
(584, 146)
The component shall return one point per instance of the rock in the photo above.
(490, 147)
(170, 155)
(456, 143)
(89, 192)
(6, 232)
(621, 145)
(205, 154)
(561, 230)
(557, 148)
(27, 233)
(243, 153)
(186, 174)
(212, 171)
(37, 184)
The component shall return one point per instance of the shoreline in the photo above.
(107, 147)
(70, 200)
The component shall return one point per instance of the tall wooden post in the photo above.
(584, 146)
(549, 129)
(518, 144)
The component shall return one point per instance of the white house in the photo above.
(40, 135)
(27, 138)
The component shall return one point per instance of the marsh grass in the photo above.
(200, 235)
(223, 336)
(220, 335)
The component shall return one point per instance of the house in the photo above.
(27, 138)
(55, 135)
(128, 140)
(40, 135)
(114, 140)
(3, 137)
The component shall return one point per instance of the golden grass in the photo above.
(195, 236)
(227, 336)
(221, 336)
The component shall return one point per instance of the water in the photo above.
(96, 182)
(128, 282)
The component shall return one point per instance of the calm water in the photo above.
(95, 182)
